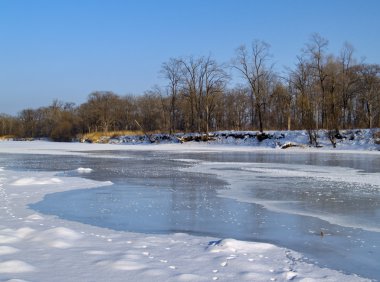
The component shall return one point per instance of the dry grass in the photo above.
(102, 137)
(7, 137)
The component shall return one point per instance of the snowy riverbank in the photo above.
(347, 140)
(38, 247)
(355, 139)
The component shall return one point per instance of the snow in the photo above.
(35, 181)
(354, 139)
(240, 141)
(38, 247)
(84, 170)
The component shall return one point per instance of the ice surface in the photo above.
(52, 247)
(350, 183)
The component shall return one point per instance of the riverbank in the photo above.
(353, 139)
(364, 139)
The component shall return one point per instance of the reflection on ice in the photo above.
(342, 196)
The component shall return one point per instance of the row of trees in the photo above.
(321, 91)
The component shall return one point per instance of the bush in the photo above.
(62, 132)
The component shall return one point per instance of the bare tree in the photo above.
(281, 102)
(8, 125)
(123, 112)
(236, 108)
(251, 64)
(172, 72)
(150, 115)
(302, 84)
(28, 119)
(102, 106)
(348, 83)
(202, 80)
(214, 79)
(192, 83)
(370, 85)
(316, 49)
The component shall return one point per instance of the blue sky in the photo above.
(65, 49)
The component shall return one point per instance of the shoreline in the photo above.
(77, 148)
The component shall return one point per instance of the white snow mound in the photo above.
(36, 181)
(15, 266)
(84, 170)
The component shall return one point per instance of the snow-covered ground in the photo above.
(38, 247)
(353, 139)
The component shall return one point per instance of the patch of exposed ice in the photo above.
(242, 178)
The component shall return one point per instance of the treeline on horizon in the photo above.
(323, 90)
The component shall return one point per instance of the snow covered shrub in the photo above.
(262, 136)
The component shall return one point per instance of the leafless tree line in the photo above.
(322, 91)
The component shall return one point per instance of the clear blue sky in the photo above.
(65, 49)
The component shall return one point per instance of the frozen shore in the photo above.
(37, 247)
(353, 139)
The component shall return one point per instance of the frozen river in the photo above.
(324, 205)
